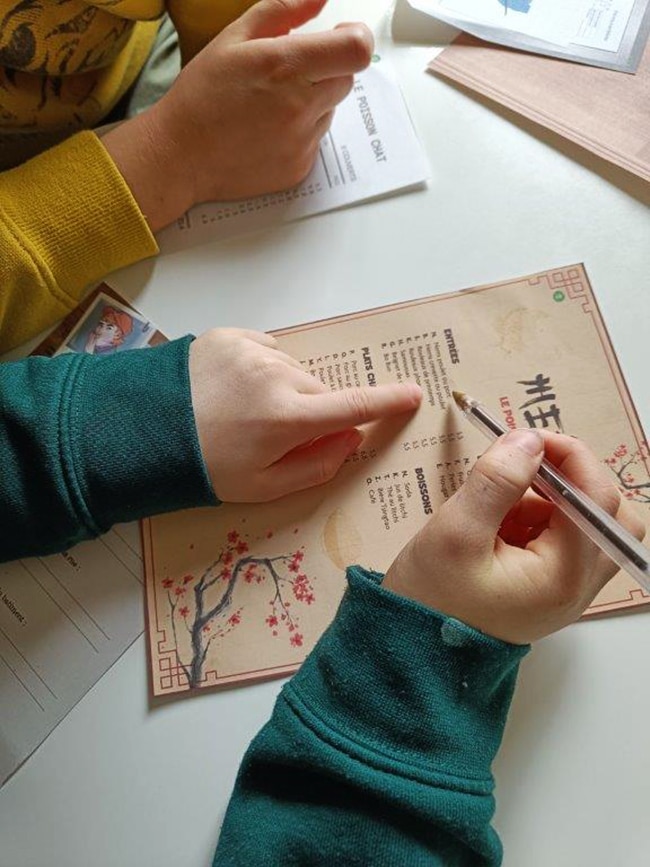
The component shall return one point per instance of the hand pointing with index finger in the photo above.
(265, 426)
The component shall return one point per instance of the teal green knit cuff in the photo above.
(399, 680)
(129, 438)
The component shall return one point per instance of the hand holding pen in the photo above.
(612, 538)
(505, 560)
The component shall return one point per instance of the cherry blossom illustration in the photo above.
(205, 609)
(630, 466)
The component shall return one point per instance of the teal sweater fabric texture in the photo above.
(379, 749)
(82, 439)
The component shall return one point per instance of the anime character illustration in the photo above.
(109, 334)
(108, 327)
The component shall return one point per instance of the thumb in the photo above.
(311, 465)
(497, 482)
(269, 18)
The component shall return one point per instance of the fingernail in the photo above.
(415, 392)
(353, 439)
(528, 441)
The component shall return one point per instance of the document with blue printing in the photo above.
(607, 33)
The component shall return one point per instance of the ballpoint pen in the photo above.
(620, 545)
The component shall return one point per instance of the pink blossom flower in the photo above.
(179, 591)
(188, 578)
(184, 611)
(167, 583)
(232, 536)
(296, 640)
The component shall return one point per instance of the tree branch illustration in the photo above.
(233, 566)
(626, 466)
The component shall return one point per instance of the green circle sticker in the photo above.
(558, 296)
(375, 58)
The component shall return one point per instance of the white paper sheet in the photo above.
(545, 19)
(64, 620)
(601, 23)
(607, 33)
(371, 150)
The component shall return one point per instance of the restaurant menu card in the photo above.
(242, 592)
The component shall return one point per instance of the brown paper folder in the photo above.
(606, 112)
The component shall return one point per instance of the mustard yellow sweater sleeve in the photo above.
(67, 218)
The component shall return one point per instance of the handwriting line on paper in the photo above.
(58, 605)
(22, 682)
(75, 601)
(29, 665)
(128, 545)
(15, 673)
(119, 559)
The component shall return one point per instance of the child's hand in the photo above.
(245, 116)
(268, 428)
(504, 560)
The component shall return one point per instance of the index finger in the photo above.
(329, 54)
(333, 411)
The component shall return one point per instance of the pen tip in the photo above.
(460, 397)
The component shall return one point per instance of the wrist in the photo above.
(409, 682)
(151, 163)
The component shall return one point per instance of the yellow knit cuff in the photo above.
(74, 214)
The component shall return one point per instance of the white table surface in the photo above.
(122, 783)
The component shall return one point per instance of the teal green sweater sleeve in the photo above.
(89, 441)
(379, 749)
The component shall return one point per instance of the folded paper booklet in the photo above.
(603, 33)
(600, 110)
(242, 592)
